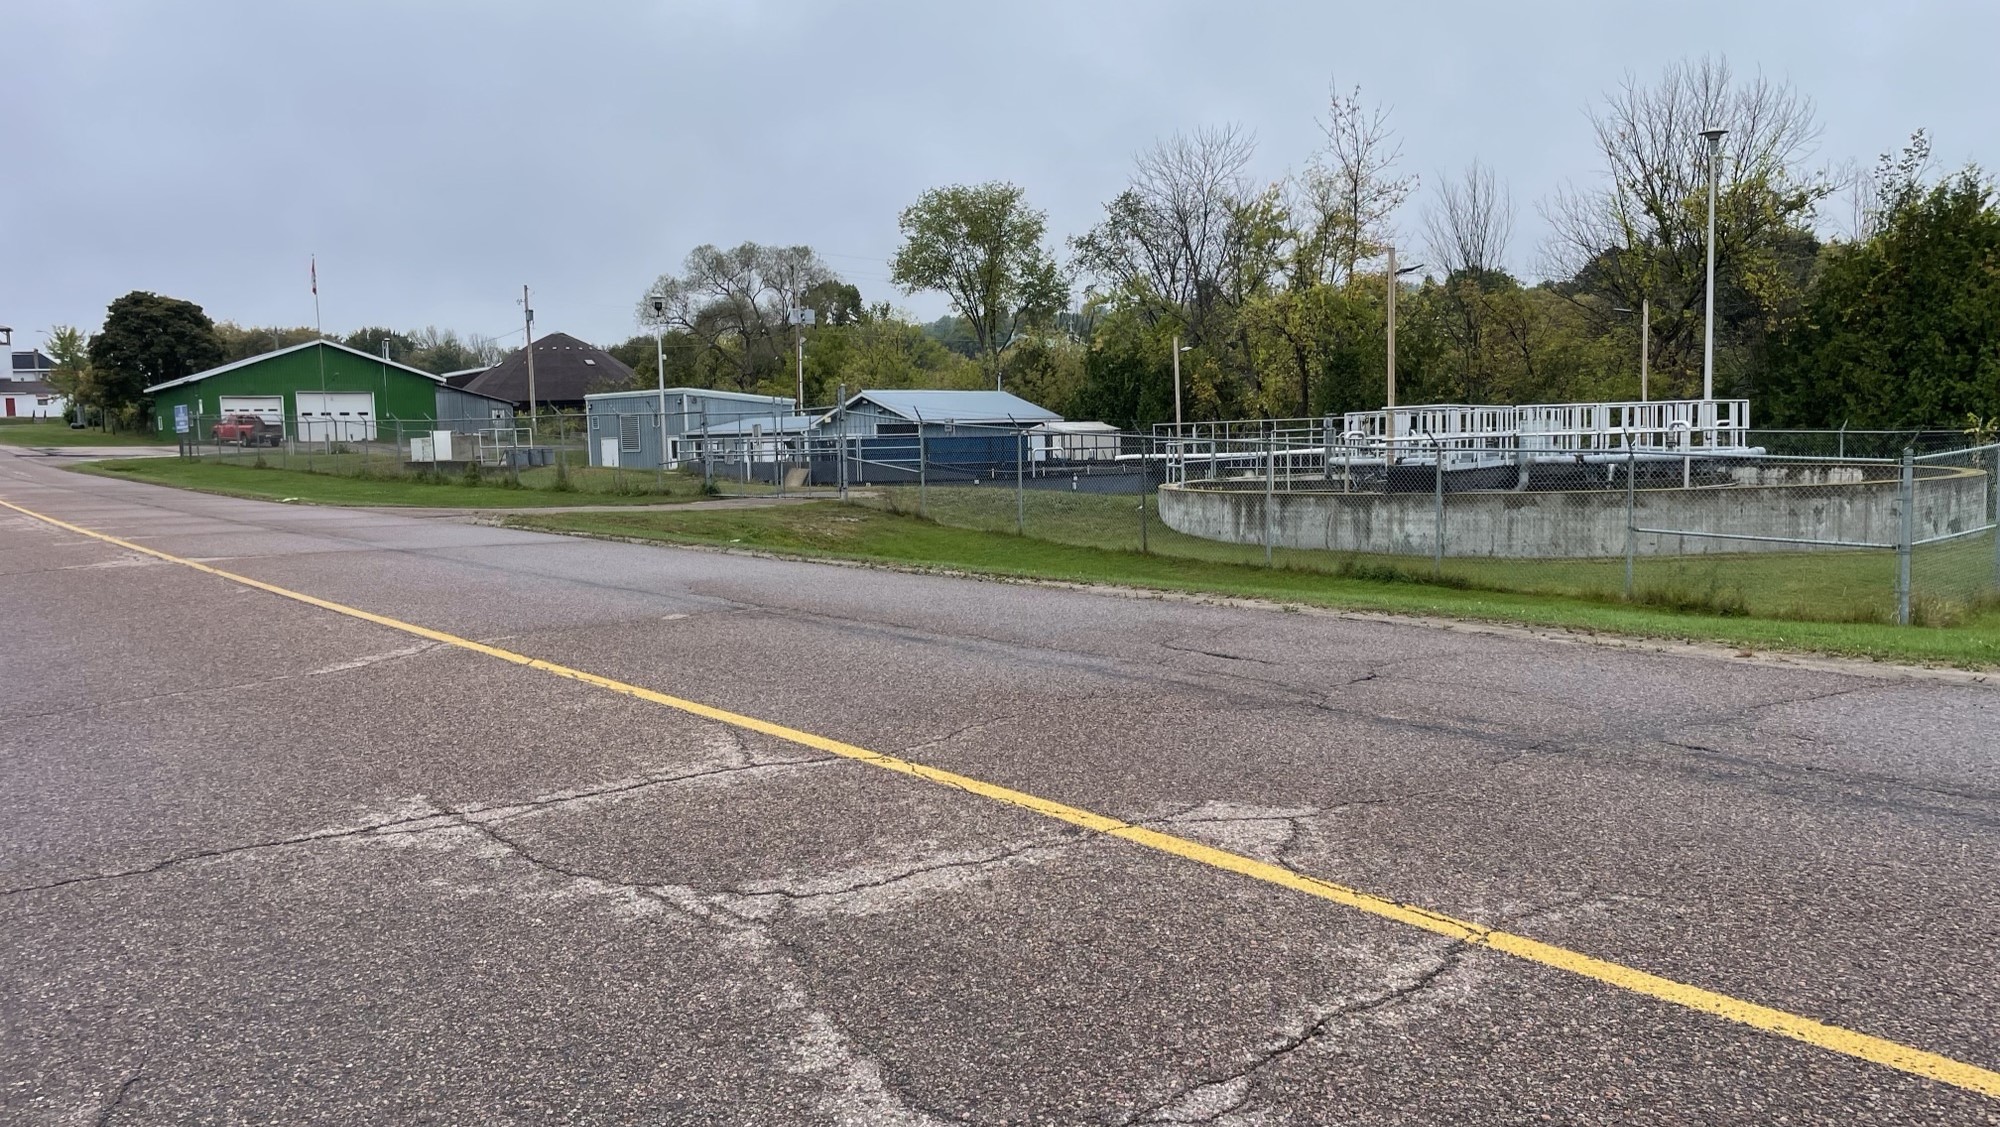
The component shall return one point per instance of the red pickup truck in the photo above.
(247, 430)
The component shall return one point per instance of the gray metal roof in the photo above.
(957, 406)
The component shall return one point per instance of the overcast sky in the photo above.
(435, 156)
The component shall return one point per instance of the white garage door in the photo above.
(343, 416)
(270, 408)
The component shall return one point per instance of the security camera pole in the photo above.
(528, 331)
(800, 318)
(660, 365)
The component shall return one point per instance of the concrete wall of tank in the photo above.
(1582, 524)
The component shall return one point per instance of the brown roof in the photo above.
(566, 370)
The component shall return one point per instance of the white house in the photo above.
(25, 392)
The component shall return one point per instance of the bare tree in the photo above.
(1168, 238)
(734, 302)
(1468, 227)
(1470, 223)
(1641, 234)
(1350, 192)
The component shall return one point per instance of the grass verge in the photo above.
(828, 530)
(351, 487)
(55, 432)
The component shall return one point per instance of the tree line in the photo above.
(1277, 288)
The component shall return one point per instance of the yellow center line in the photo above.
(1878, 1050)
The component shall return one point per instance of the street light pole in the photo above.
(1394, 274)
(1645, 339)
(1178, 349)
(1389, 417)
(1392, 329)
(1714, 137)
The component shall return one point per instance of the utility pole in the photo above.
(528, 315)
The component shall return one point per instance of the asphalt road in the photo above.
(264, 862)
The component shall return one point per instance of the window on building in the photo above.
(896, 429)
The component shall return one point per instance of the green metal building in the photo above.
(323, 389)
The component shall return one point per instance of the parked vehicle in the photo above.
(247, 430)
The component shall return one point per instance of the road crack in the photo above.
(427, 819)
(1214, 1098)
(118, 1098)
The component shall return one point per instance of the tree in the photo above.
(241, 343)
(1643, 235)
(736, 302)
(1468, 228)
(380, 340)
(1351, 192)
(1166, 240)
(148, 339)
(71, 376)
(1903, 328)
(436, 350)
(981, 246)
(833, 302)
(878, 349)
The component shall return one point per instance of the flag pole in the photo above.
(319, 348)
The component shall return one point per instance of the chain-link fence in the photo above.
(551, 451)
(1772, 523)
(1724, 529)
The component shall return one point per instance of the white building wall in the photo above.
(28, 405)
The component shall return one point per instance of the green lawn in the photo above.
(346, 484)
(855, 532)
(55, 432)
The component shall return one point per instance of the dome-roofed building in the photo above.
(566, 370)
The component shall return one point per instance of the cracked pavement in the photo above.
(264, 864)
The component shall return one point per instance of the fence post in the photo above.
(1437, 511)
(923, 471)
(1145, 480)
(1020, 486)
(1906, 534)
(1270, 485)
(1631, 522)
(1993, 482)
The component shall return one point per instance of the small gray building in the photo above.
(468, 411)
(881, 436)
(627, 428)
(940, 413)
